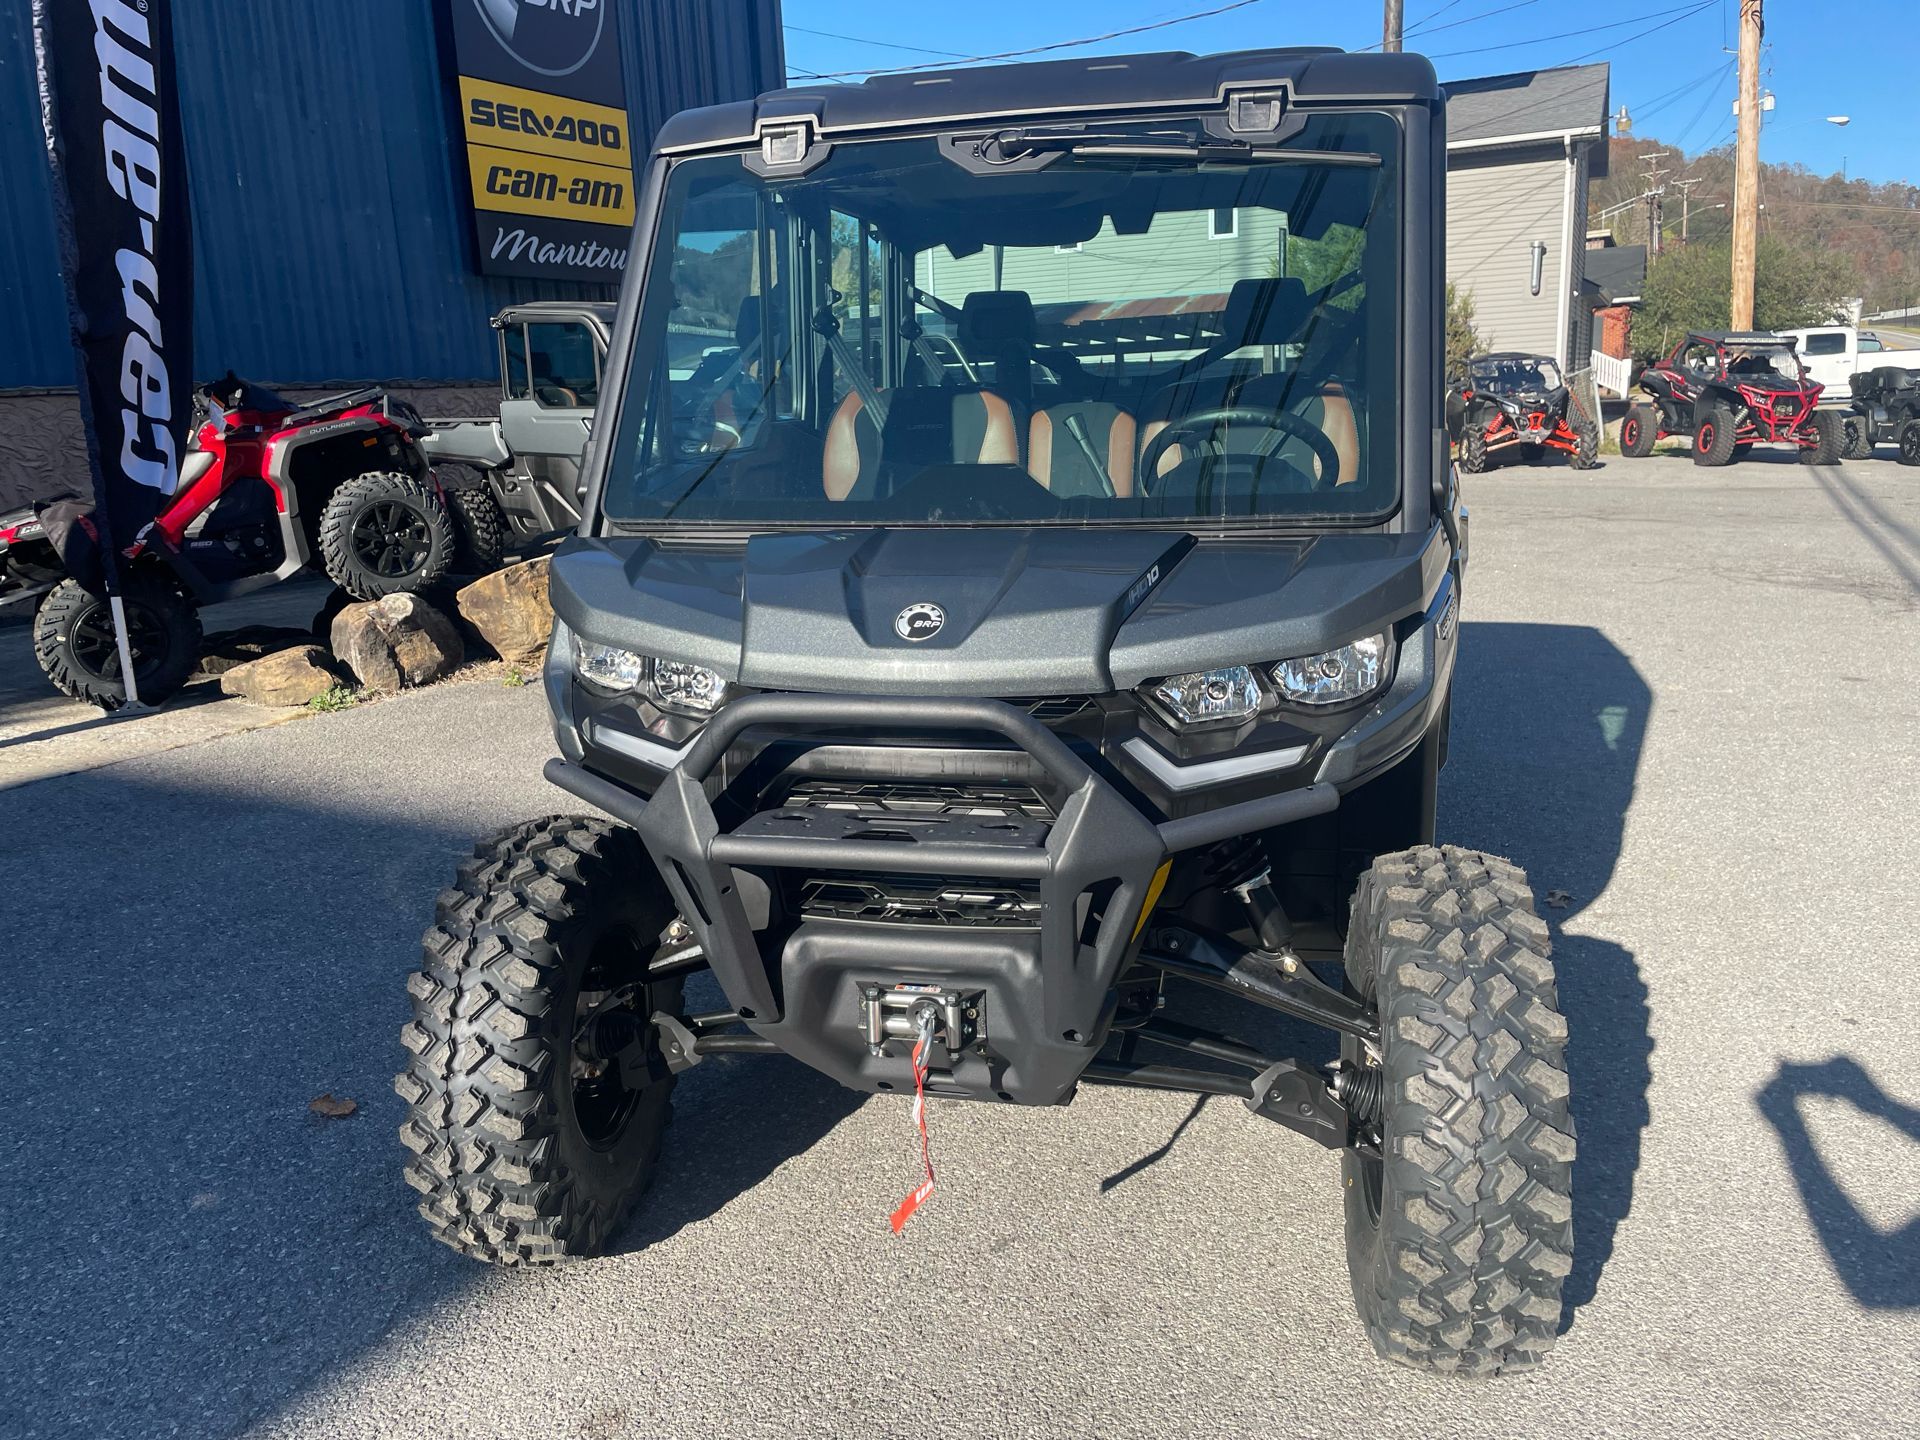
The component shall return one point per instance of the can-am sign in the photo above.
(549, 156)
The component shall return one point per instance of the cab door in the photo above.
(1829, 358)
(551, 381)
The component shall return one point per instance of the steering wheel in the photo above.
(1278, 421)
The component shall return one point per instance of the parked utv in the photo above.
(1510, 403)
(969, 721)
(1730, 392)
(1886, 406)
(267, 489)
(529, 455)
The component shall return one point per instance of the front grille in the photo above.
(920, 900)
(1051, 709)
(919, 797)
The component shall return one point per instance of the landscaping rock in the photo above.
(395, 642)
(286, 677)
(230, 648)
(510, 610)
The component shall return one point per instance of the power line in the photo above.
(1042, 49)
(863, 40)
(1586, 30)
(1426, 27)
(1435, 14)
(1668, 98)
(1423, 28)
(1651, 29)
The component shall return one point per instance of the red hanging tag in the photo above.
(922, 1048)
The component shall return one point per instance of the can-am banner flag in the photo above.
(549, 153)
(111, 115)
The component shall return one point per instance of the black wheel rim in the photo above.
(96, 650)
(613, 999)
(391, 539)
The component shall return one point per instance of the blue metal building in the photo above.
(332, 235)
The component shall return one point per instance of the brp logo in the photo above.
(549, 37)
(921, 621)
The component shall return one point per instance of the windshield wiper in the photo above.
(1228, 152)
(1133, 145)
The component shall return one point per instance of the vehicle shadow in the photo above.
(1548, 725)
(191, 1249)
(1880, 1268)
(1895, 543)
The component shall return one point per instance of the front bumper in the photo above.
(1044, 995)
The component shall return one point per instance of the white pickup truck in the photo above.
(1833, 354)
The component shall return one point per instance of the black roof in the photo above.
(1740, 337)
(1617, 271)
(1531, 103)
(1100, 83)
(1510, 355)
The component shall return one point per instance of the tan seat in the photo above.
(1326, 407)
(924, 426)
(1058, 461)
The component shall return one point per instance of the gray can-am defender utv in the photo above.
(1045, 616)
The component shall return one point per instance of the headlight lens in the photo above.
(1209, 696)
(687, 689)
(675, 685)
(607, 667)
(1334, 677)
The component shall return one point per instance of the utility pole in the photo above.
(1746, 166)
(1392, 25)
(1655, 215)
(1686, 205)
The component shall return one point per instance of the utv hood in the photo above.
(991, 611)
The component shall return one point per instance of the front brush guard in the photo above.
(1100, 842)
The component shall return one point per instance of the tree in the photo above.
(1463, 341)
(1692, 289)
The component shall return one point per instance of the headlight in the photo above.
(687, 689)
(1334, 677)
(607, 667)
(1209, 696)
(675, 685)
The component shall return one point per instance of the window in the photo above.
(564, 368)
(1870, 343)
(955, 306)
(1830, 342)
(1223, 224)
(513, 362)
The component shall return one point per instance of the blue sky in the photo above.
(1669, 67)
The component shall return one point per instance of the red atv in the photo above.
(1730, 392)
(267, 489)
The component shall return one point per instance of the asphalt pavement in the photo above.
(43, 733)
(1687, 702)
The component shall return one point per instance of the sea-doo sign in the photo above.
(549, 158)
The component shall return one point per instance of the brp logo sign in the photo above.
(549, 37)
(921, 621)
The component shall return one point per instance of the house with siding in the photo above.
(1520, 150)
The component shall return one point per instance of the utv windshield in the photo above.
(1107, 324)
(1764, 361)
(1524, 375)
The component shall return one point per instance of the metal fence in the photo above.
(1584, 404)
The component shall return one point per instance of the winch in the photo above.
(893, 1012)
